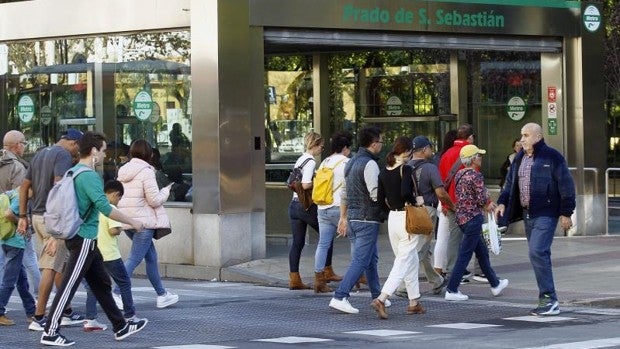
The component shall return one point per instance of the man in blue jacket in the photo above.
(540, 190)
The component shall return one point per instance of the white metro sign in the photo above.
(516, 108)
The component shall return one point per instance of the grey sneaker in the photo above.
(547, 309)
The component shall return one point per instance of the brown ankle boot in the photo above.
(320, 286)
(295, 282)
(361, 280)
(330, 275)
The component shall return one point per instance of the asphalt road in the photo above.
(236, 315)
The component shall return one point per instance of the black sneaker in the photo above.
(72, 319)
(546, 309)
(56, 340)
(130, 328)
(37, 325)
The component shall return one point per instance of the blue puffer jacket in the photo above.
(552, 191)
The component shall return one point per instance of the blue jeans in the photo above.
(539, 232)
(31, 263)
(15, 276)
(472, 243)
(142, 247)
(328, 223)
(117, 271)
(364, 259)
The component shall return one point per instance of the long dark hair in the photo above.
(402, 145)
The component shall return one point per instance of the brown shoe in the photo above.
(330, 275)
(5, 321)
(379, 307)
(295, 282)
(320, 286)
(360, 281)
(416, 309)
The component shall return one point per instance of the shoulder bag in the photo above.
(417, 219)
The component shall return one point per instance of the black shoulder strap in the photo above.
(304, 163)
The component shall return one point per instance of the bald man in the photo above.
(12, 166)
(540, 190)
(12, 174)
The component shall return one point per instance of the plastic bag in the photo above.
(491, 235)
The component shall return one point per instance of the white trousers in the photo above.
(441, 245)
(406, 263)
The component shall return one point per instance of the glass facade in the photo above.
(135, 86)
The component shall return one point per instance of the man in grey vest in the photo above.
(360, 218)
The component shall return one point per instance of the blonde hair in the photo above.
(312, 139)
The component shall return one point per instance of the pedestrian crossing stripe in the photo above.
(293, 340)
(383, 333)
(540, 318)
(591, 344)
(194, 346)
(464, 325)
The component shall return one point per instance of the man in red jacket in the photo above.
(448, 166)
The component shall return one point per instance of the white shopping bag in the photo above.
(491, 235)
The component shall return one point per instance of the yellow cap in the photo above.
(471, 150)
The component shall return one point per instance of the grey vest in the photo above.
(359, 204)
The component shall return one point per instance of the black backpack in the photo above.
(295, 176)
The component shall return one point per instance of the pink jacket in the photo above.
(142, 196)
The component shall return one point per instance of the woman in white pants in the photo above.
(406, 262)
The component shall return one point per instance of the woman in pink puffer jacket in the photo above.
(142, 197)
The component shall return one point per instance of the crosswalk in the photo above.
(295, 341)
(144, 297)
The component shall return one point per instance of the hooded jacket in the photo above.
(12, 171)
(142, 195)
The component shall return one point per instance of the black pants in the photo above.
(84, 261)
(300, 220)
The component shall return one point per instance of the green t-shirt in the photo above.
(17, 240)
(89, 190)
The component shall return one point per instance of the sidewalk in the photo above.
(586, 269)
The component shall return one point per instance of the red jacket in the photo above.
(447, 160)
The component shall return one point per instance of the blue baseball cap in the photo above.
(72, 134)
(420, 142)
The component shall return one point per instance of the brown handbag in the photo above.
(304, 196)
(417, 219)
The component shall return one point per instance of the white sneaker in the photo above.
(387, 303)
(500, 287)
(118, 300)
(343, 305)
(455, 296)
(94, 325)
(167, 300)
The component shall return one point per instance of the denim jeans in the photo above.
(142, 247)
(15, 277)
(31, 264)
(539, 232)
(472, 242)
(328, 223)
(117, 271)
(365, 257)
